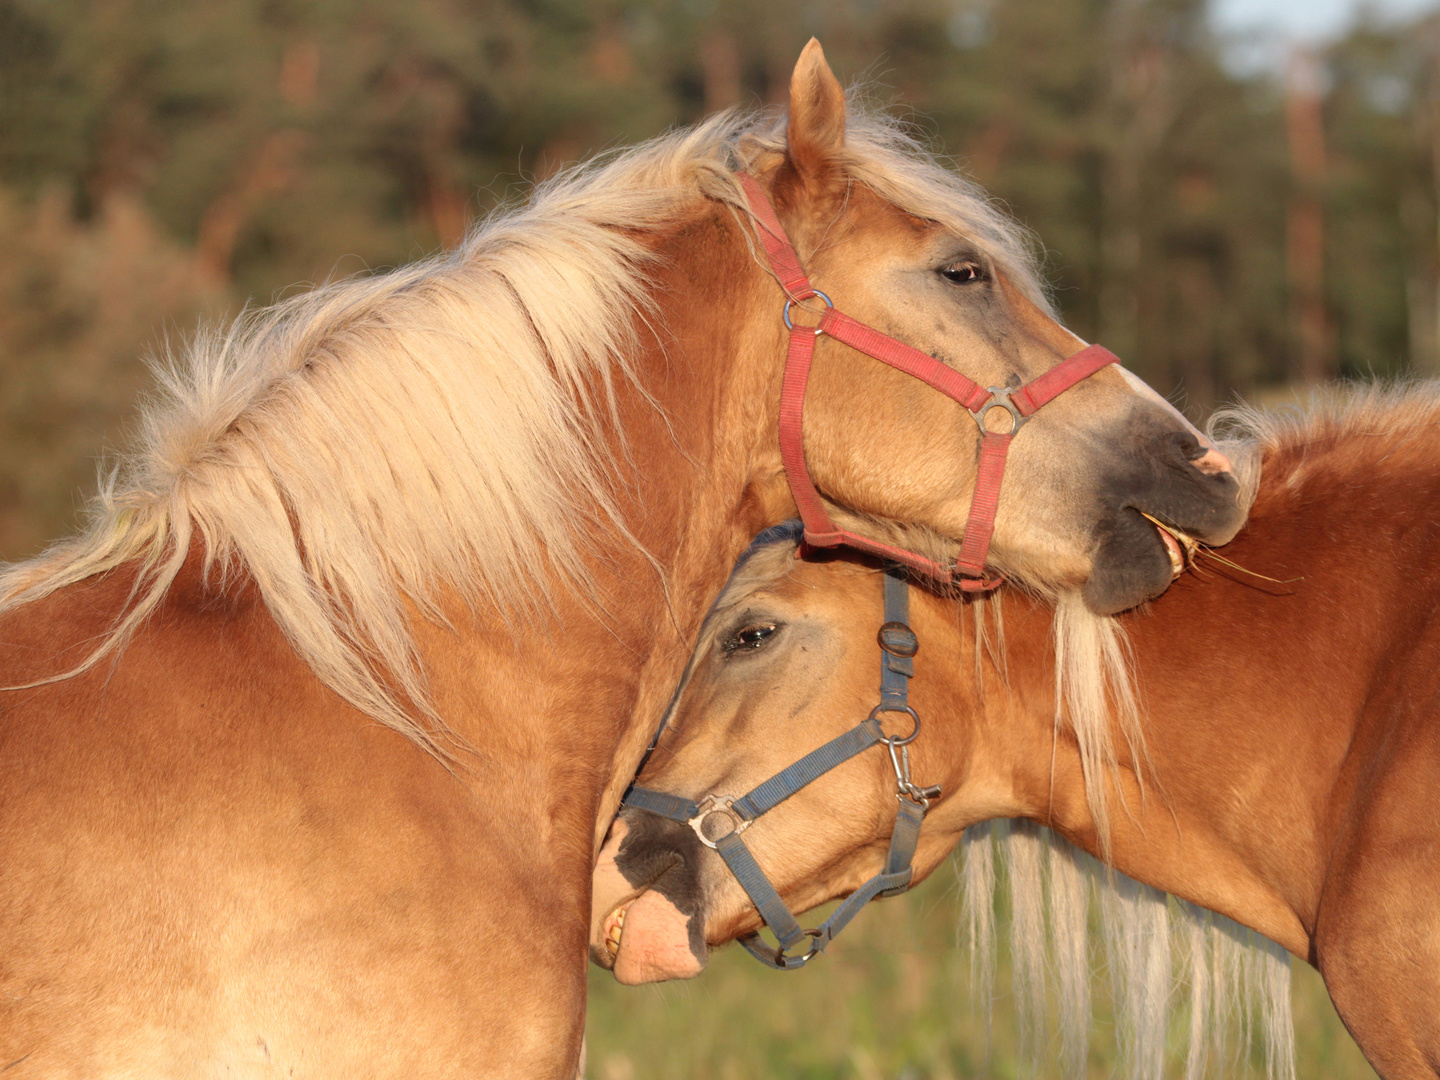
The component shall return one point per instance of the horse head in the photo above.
(785, 665)
(920, 258)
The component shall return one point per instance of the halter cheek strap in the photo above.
(720, 819)
(968, 571)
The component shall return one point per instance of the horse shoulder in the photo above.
(209, 856)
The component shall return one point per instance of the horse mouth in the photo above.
(660, 944)
(1179, 547)
(652, 928)
(612, 931)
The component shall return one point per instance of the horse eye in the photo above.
(753, 636)
(963, 273)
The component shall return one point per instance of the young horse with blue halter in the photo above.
(1274, 761)
(719, 820)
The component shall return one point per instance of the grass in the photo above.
(890, 1000)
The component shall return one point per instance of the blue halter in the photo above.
(720, 819)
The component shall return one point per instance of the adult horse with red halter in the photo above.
(320, 721)
(1277, 767)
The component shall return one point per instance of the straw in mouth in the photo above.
(1183, 548)
(1180, 546)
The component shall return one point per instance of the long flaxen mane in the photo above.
(1160, 951)
(388, 444)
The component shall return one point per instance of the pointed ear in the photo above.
(817, 115)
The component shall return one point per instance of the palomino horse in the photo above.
(312, 735)
(1277, 766)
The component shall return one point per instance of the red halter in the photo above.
(968, 570)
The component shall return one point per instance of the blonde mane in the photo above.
(1404, 411)
(380, 446)
(1156, 948)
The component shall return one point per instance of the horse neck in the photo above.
(1254, 694)
(698, 473)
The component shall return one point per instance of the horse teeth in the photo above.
(615, 930)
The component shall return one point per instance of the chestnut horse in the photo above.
(312, 735)
(1277, 765)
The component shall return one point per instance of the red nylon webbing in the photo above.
(899, 355)
(1061, 377)
(981, 524)
(969, 569)
(783, 259)
(819, 529)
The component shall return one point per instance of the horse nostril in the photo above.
(1191, 451)
(1212, 462)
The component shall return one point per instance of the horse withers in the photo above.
(309, 739)
(1274, 759)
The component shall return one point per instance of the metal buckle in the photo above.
(898, 639)
(999, 399)
(785, 314)
(716, 804)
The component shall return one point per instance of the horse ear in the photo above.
(817, 114)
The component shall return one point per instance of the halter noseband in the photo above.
(968, 570)
(720, 819)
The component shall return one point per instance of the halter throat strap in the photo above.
(968, 571)
(717, 813)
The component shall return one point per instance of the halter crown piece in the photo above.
(968, 570)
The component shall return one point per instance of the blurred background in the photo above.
(1239, 198)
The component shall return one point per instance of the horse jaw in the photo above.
(639, 934)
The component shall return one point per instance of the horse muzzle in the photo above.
(647, 922)
(1177, 484)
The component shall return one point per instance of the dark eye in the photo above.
(965, 272)
(753, 636)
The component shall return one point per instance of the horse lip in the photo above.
(599, 942)
(1172, 550)
(615, 886)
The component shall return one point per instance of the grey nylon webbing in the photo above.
(896, 671)
(666, 805)
(762, 894)
(811, 767)
(895, 879)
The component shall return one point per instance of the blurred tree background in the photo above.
(1228, 233)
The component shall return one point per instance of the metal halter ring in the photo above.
(792, 962)
(999, 399)
(895, 740)
(786, 313)
(716, 804)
